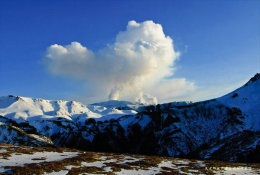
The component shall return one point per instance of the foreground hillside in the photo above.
(226, 128)
(46, 160)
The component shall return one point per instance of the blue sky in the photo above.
(219, 41)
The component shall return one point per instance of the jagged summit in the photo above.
(25, 108)
(254, 79)
(247, 99)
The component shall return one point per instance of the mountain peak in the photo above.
(254, 78)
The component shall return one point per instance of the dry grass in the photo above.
(141, 163)
(168, 171)
(41, 158)
(80, 170)
(40, 168)
(117, 166)
(173, 172)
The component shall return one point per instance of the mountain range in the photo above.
(225, 128)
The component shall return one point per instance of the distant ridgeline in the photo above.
(225, 128)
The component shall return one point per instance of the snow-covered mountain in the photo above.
(225, 128)
(23, 109)
(247, 99)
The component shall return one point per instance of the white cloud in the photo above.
(139, 59)
(173, 90)
(72, 60)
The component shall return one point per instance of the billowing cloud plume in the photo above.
(140, 59)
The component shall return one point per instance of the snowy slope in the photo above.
(59, 120)
(246, 98)
(11, 132)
